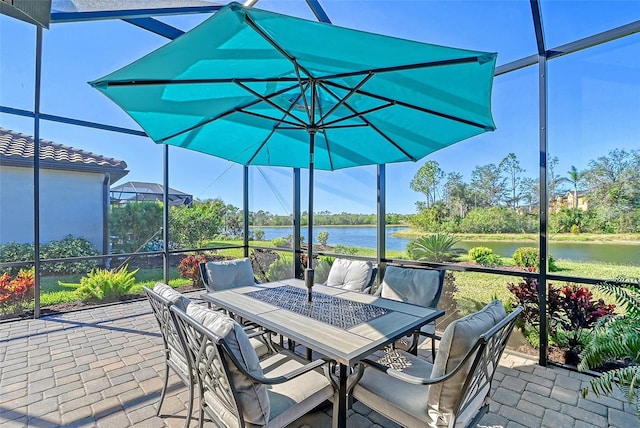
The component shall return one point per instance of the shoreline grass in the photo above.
(590, 238)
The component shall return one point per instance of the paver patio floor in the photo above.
(103, 367)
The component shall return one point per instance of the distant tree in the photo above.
(530, 191)
(134, 225)
(427, 180)
(191, 227)
(510, 167)
(488, 185)
(615, 179)
(552, 178)
(458, 194)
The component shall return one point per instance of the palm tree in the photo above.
(575, 178)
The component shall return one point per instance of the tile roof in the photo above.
(18, 147)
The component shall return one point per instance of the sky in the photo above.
(594, 97)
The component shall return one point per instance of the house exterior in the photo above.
(74, 191)
(568, 201)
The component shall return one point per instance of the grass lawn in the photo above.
(473, 289)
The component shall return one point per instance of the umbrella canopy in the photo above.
(260, 88)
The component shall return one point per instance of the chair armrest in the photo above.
(396, 373)
(429, 335)
(420, 380)
(291, 375)
(275, 380)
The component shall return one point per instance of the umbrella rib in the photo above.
(273, 130)
(441, 63)
(346, 97)
(151, 82)
(220, 116)
(268, 100)
(415, 107)
(355, 115)
(264, 116)
(303, 90)
(375, 128)
(251, 23)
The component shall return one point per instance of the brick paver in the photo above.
(103, 367)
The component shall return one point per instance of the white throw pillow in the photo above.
(352, 275)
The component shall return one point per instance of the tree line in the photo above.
(501, 198)
(137, 226)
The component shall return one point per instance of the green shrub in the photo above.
(134, 225)
(322, 267)
(478, 252)
(346, 249)
(323, 238)
(434, 248)
(281, 242)
(490, 260)
(485, 256)
(64, 248)
(529, 257)
(104, 284)
(280, 269)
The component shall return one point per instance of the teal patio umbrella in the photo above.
(261, 88)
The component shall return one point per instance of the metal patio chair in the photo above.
(161, 298)
(451, 392)
(238, 390)
(421, 287)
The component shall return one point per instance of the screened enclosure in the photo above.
(551, 196)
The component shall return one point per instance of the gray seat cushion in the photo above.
(354, 275)
(400, 401)
(292, 399)
(226, 274)
(252, 397)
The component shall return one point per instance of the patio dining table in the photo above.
(342, 325)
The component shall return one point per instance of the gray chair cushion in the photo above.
(402, 402)
(251, 396)
(229, 274)
(293, 399)
(172, 295)
(457, 339)
(354, 275)
(417, 286)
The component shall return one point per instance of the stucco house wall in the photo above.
(77, 211)
(74, 191)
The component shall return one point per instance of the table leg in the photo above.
(340, 407)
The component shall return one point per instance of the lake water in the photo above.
(366, 237)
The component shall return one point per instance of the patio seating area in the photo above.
(104, 367)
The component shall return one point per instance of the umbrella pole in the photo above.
(309, 272)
